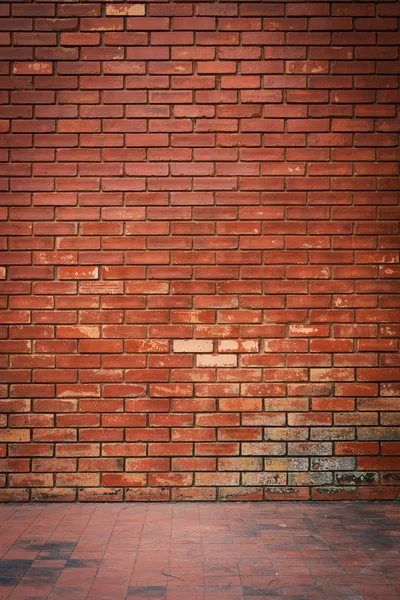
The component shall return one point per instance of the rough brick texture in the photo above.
(200, 249)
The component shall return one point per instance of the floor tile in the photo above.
(314, 551)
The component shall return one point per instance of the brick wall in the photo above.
(200, 249)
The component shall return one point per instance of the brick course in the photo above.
(200, 249)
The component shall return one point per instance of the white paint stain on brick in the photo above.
(132, 10)
(193, 346)
(238, 346)
(217, 360)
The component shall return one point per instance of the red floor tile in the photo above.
(200, 552)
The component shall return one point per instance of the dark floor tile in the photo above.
(12, 570)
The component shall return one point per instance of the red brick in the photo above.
(77, 450)
(356, 448)
(100, 494)
(382, 463)
(30, 450)
(53, 464)
(147, 464)
(123, 479)
(377, 493)
(193, 494)
(77, 479)
(30, 480)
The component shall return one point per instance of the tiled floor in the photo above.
(200, 551)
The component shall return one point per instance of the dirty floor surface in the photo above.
(200, 551)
